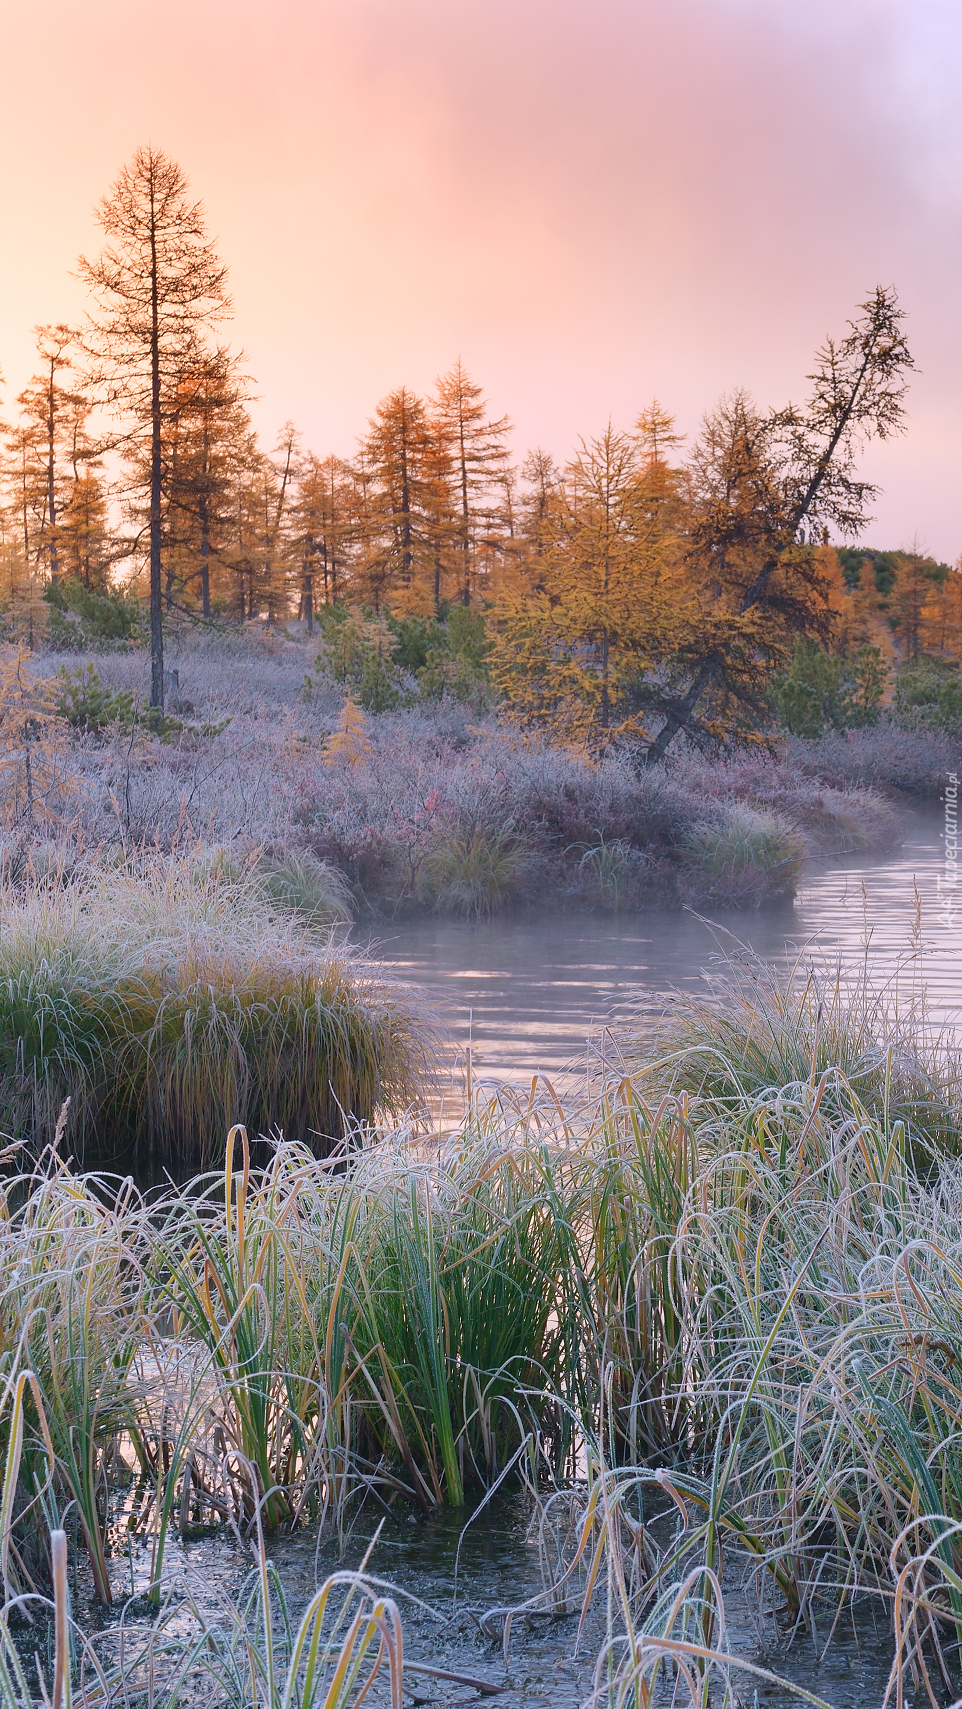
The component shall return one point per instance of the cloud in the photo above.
(591, 203)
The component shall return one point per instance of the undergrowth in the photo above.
(401, 801)
(712, 1318)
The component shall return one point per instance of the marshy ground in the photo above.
(686, 1343)
(704, 1329)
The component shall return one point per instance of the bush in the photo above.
(92, 709)
(358, 655)
(603, 833)
(388, 662)
(928, 696)
(887, 758)
(89, 706)
(828, 818)
(473, 873)
(456, 663)
(820, 692)
(169, 1003)
(612, 875)
(84, 618)
(743, 855)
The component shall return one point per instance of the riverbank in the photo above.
(148, 1002)
(435, 810)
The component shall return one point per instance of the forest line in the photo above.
(646, 588)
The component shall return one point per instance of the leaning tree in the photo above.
(762, 489)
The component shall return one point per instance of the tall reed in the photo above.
(727, 1287)
(753, 1030)
(348, 1633)
(70, 1309)
(402, 1316)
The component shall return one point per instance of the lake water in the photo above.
(526, 991)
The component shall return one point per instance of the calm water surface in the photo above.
(527, 991)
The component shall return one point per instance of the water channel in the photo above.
(526, 992)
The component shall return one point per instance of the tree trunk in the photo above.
(204, 558)
(205, 526)
(51, 491)
(407, 553)
(465, 514)
(156, 587)
(679, 716)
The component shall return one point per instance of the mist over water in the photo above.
(526, 991)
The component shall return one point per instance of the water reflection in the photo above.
(526, 991)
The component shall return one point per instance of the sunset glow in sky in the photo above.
(592, 202)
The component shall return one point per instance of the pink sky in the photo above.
(592, 202)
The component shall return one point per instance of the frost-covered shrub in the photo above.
(830, 819)
(888, 758)
(263, 768)
(741, 855)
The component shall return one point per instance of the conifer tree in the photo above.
(441, 526)
(32, 739)
(209, 436)
(478, 459)
(18, 470)
(764, 490)
(394, 458)
(922, 606)
(323, 527)
(543, 480)
(87, 547)
(568, 657)
(236, 567)
(157, 286)
(279, 480)
(54, 446)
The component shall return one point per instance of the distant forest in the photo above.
(645, 588)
